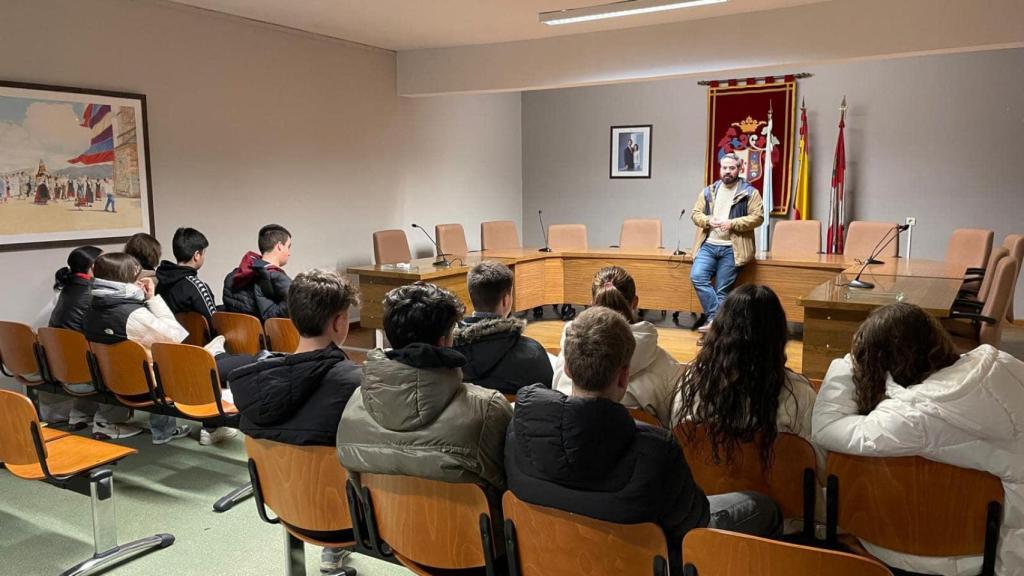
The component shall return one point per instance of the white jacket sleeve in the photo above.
(893, 428)
(154, 323)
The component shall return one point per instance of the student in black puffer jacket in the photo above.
(259, 285)
(179, 284)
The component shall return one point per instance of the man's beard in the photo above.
(729, 179)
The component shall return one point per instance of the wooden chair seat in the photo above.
(188, 376)
(71, 455)
(51, 434)
(205, 411)
(139, 402)
(420, 570)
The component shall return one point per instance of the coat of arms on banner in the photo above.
(746, 139)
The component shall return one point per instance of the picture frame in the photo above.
(629, 154)
(74, 166)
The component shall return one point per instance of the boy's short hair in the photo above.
(315, 297)
(488, 282)
(145, 248)
(271, 235)
(186, 242)
(420, 312)
(598, 343)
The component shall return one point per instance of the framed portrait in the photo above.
(630, 154)
(74, 166)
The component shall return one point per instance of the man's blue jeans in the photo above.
(718, 261)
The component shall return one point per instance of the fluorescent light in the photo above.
(617, 9)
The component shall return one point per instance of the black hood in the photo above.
(169, 273)
(271, 390)
(571, 441)
(485, 342)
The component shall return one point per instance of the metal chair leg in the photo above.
(228, 501)
(295, 555)
(104, 526)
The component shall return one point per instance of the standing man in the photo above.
(627, 155)
(726, 214)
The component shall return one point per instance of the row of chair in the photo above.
(905, 504)
(243, 334)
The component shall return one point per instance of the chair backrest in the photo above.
(197, 326)
(969, 247)
(433, 524)
(390, 247)
(990, 271)
(551, 542)
(913, 505)
(242, 333)
(499, 235)
(796, 237)
(282, 334)
(17, 417)
(863, 236)
(783, 481)
(998, 301)
(17, 351)
(123, 367)
(188, 376)
(1015, 244)
(67, 355)
(451, 239)
(719, 553)
(644, 416)
(640, 233)
(303, 485)
(567, 237)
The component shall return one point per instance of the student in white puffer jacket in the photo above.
(653, 373)
(903, 391)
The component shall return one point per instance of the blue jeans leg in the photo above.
(725, 276)
(161, 426)
(704, 266)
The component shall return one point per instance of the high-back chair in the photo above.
(124, 370)
(796, 237)
(430, 526)
(790, 481)
(18, 353)
(567, 237)
(390, 247)
(65, 357)
(499, 235)
(73, 463)
(862, 237)
(986, 327)
(243, 334)
(197, 326)
(282, 336)
(710, 552)
(975, 289)
(451, 240)
(640, 233)
(969, 248)
(543, 541)
(915, 506)
(304, 486)
(1015, 244)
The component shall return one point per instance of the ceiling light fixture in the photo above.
(617, 9)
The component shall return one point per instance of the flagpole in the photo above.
(767, 193)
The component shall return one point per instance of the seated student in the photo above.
(745, 353)
(498, 355)
(259, 286)
(585, 454)
(179, 284)
(298, 398)
(147, 250)
(413, 415)
(904, 391)
(653, 373)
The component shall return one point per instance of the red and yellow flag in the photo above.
(801, 192)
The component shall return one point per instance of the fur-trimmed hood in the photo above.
(474, 329)
(499, 355)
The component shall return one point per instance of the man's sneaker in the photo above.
(179, 432)
(705, 328)
(109, 431)
(331, 559)
(216, 435)
(76, 424)
(216, 346)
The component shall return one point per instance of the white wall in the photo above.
(926, 136)
(802, 35)
(251, 124)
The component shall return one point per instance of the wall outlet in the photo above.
(911, 221)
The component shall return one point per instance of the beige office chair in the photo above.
(451, 239)
(390, 247)
(499, 235)
(1015, 244)
(640, 233)
(970, 330)
(970, 247)
(567, 237)
(863, 236)
(796, 237)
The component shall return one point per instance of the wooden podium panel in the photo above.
(660, 285)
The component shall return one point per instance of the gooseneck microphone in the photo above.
(443, 257)
(544, 231)
(871, 259)
(679, 233)
(857, 282)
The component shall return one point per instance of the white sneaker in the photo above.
(179, 432)
(331, 559)
(704, 329)
(110, 431)
(216, 436)
(216, 346)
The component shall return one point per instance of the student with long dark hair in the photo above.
(904, 391)
(653, 373)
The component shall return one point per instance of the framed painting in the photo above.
(74, 166)
(630, 153)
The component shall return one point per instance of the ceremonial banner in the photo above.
(737, 116)
(802, 193)
(834, 241)
(74, 167)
